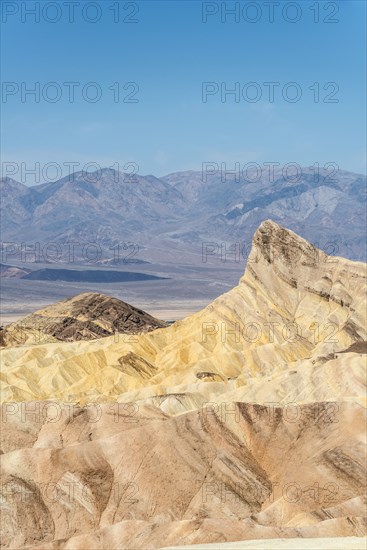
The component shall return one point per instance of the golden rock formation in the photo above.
(243, 421)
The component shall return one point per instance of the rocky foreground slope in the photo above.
(243, 421)
(137, 478)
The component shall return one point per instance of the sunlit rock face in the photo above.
(127, 476)
(288, 323)
(243, 421)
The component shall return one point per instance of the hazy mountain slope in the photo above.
(312, 205)
(182, 210)
(12, 211)
(11, 271)
(106, 207)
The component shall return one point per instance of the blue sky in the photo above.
(168, 53)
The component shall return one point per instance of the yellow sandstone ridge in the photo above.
(244, 421)
(288, 323)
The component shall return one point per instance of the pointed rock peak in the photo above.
(275, 244)
(280, 257)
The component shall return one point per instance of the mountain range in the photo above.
(139, 218)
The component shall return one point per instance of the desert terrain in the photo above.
(244, 421)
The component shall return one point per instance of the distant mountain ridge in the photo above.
(11, 271)
(171, 216)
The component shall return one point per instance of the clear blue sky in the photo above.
(169, 53)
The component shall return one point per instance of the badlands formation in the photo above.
(84, 317)
(244, 421)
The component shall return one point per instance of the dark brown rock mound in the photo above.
(86, 316)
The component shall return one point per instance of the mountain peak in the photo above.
(277, 244)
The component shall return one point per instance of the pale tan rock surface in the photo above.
(126, 477)
(192, 434)
(340, 543)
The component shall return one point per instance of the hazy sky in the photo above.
(166, 56)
